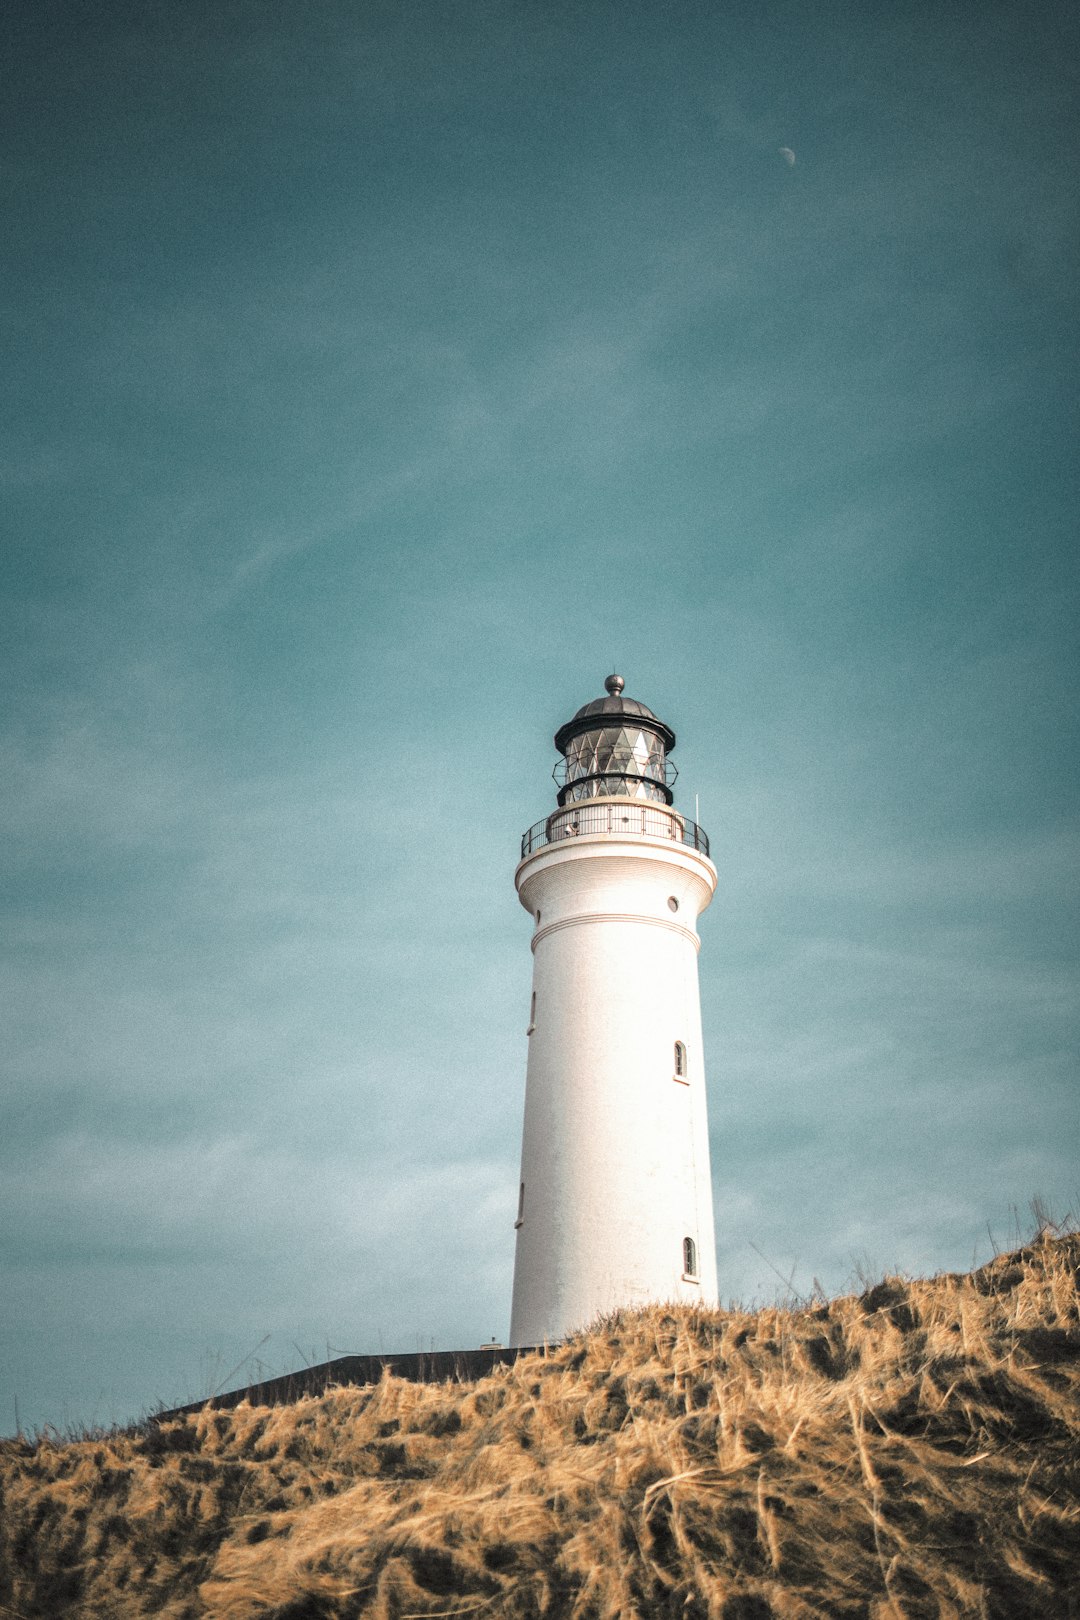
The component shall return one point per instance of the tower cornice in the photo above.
(610, 846)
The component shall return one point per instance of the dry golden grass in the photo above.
(908, 1453)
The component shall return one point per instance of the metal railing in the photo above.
(585, 818)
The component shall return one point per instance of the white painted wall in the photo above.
(615, 1152)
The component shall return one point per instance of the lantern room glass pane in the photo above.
(609, 761)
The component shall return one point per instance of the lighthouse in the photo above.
(615, 1195)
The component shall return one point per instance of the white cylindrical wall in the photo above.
(615, 1151)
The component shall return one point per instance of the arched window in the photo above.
(689, 1257)
(680, 1061)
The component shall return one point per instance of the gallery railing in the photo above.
(587, 817)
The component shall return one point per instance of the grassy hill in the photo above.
(910, 1452)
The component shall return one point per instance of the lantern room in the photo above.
(614, 747)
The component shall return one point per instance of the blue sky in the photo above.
(375, 379)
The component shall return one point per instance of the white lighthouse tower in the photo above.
(615, 1201)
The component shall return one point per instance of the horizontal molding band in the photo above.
(616, 916)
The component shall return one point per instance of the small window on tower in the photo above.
(689, 1258)
(680, 1061)
(532, 1014)
(521, 1207)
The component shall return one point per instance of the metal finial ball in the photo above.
(614, 684)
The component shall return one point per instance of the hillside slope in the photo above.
(911, 1452)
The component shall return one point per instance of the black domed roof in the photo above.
(614, 704)
(613, 710)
